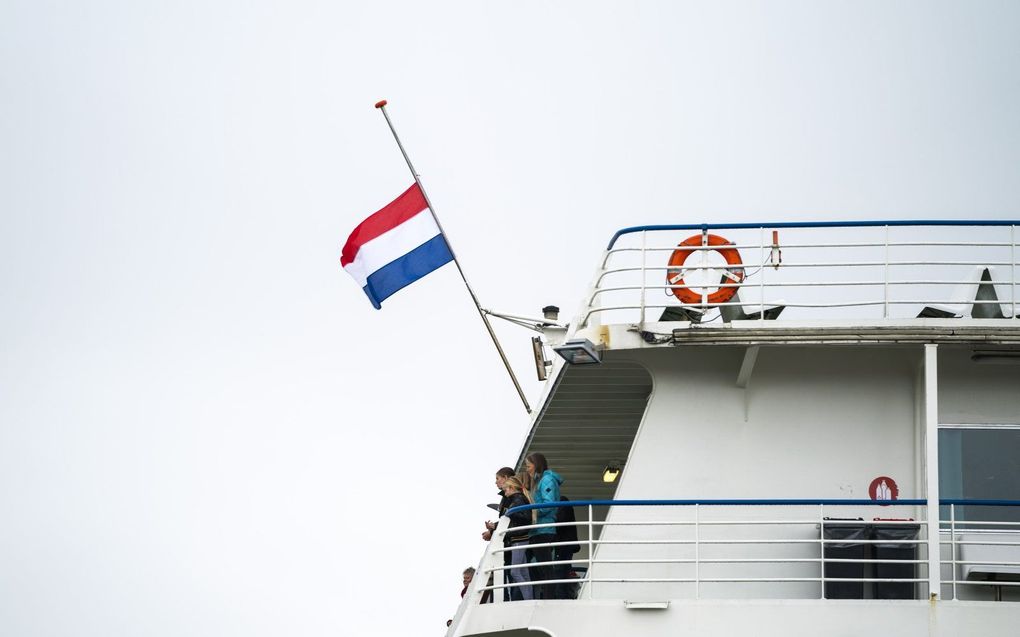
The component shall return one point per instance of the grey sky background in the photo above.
(206, 429)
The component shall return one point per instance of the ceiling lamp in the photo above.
(612, 472)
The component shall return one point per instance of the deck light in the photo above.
(612, 472)
(579, 351)
(541, 364)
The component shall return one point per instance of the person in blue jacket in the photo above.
(547, 489)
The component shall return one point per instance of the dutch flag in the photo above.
(395, 247)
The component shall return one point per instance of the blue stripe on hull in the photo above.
(404, 271)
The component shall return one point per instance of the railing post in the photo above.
(585, 316)
(952, 545)
(591, 548)
(1012, 255)
(764, 271)
(821, 545)
(644, 281)
(885, 309)
(697, 552)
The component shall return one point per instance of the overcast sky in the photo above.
(205, 427)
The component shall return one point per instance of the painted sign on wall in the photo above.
(883, 488)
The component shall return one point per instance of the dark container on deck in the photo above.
(895, 547)
(851, 531)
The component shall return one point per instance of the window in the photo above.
(980, 463)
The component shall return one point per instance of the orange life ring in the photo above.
(690, 245)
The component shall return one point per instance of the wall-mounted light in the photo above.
(612, 472)
(540, 362)
(579, 351)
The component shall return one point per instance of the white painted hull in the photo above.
(720, 618)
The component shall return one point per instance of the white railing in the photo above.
(768, 549)
(864, 270)
(980, 553)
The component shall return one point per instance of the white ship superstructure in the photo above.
(817, 428)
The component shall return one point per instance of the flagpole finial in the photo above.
(380, 103)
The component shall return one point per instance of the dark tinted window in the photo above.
(981, 464)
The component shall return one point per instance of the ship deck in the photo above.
(752, 404)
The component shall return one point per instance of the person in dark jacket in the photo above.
(490, 526)
(565, 553)
(501, 476)
(517, 541)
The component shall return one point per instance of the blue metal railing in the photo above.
(738, 502)
(808, 502)
(811, 224)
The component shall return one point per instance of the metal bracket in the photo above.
(744, 377)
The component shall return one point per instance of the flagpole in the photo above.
(381, 105)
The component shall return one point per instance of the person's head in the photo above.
(536, 464)
(502, 475)
(469, 573)
(512, 485)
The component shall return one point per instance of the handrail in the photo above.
(811, 224)
(968, 502)
(753, 502)
(969, 554)
(965, 270)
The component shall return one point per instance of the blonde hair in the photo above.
(515, 484)
(527, 484)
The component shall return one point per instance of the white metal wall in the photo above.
(821, 422)
(973, 393)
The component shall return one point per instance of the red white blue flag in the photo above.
(395, 247)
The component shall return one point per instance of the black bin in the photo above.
(890, 545)
(849, 549)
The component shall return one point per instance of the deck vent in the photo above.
(646, 605)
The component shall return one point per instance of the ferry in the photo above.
(780, 429)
